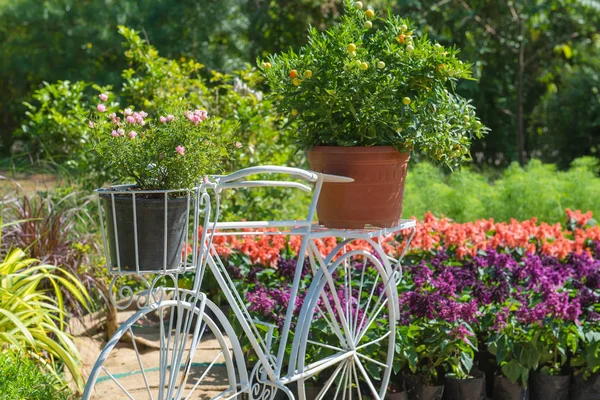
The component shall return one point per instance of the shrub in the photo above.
(537, 190)
(32, 319)
(56, 229)
(172, 151)
(22, 378)
(52, 127)
(152, 82)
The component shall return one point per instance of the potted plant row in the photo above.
(156, 161)
(365, 94)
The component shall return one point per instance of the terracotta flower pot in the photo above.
(376, 195)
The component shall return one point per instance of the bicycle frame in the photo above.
(301, 227)
(273, 366)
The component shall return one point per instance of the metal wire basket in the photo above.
(152, 231)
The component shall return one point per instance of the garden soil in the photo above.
(123, 360)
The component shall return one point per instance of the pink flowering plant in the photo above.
(169, 151)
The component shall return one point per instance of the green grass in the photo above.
(22, 378)
(538, 190)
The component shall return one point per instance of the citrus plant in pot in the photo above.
(365, 94)
(159, 159)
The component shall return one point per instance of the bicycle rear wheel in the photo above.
(348, 341)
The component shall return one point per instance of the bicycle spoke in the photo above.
(366, 377)
(117, 383)
(373, 341)
(349, 382)
(329, 382)
(203, 375)
(337, 389)
(333, 325)
(356, 379)
(367, 306)
(370, 321)
(371, 360)
(137, 354)
(325, 346)
(359, 298)
(348, 291)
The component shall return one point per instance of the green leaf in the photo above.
(466, 360)
(513, 370)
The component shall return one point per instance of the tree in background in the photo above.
(78, 40)
(521, 49)
(512, 45)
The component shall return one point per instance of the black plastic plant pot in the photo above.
(417, 390)
(150, 222)
(403, 395)
(486, 362)
(507, 390)
(582, 389)
(472, 388)
(544, 387)
(396, 391)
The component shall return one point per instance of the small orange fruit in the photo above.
(293, 74)
(351, 47)
(296, 82)
(294, 112)
(406, 101)
(370, 13)
(308, 74)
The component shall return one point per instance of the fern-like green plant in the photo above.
(32, 320)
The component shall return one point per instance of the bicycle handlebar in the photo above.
(310, 176)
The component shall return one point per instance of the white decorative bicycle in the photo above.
(337, 340)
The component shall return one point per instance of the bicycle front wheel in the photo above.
(168, 350)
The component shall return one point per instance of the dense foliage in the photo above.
(33, 318)
(22, 378)
(371, 81)
(538, 191)
(526, 292)
(66, 40)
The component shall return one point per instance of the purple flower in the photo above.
(260, 301)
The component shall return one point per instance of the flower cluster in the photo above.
(169, 152)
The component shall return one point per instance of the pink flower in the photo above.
(91, 124)
(103, 96)
(130, 119)
(197, 116)
(132, 134)
(170, 117)
(121, 132)
(180, 150)
(112, 116)
(163, 120)
(128, 111)
(143, 114)
(101, 107)
(238, 145)
(115, 134)
(202, 114)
